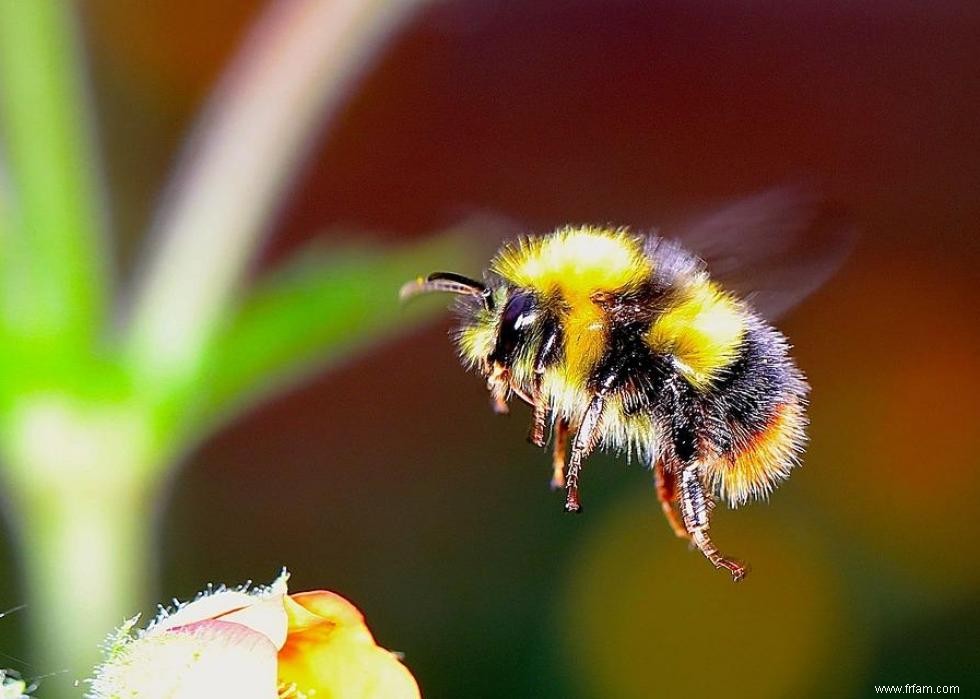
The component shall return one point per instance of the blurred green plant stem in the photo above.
(96, 413)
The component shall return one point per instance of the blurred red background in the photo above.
(388, 480)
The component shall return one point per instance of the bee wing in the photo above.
(773, 249)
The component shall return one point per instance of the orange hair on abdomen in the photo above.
(759, 461)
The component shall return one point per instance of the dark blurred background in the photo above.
(389, 480)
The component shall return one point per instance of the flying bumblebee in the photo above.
(658, 346)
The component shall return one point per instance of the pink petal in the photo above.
(204, 660)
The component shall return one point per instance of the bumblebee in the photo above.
(631, 342)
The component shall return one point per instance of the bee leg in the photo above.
(558, 454)
(665, 483)
(582, 446)
(696, 507)
(498, 383)
(539, 419)
(547, 355)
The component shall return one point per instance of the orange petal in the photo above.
(330, 652)
(321, 610)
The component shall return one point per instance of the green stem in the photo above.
(293, 74)
(85, 569)
(81, 495)
(54, 258)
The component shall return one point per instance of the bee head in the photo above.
(514, 326)
(479, 308)
(498, 325)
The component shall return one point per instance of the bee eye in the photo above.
(517, 317)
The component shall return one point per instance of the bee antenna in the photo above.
(448, 282)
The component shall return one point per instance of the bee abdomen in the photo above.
(761, 400)
(761, 379)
